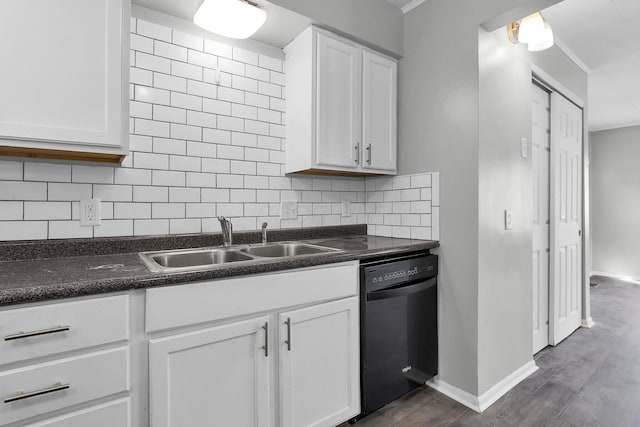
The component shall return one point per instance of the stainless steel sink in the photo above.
(286, 250)
(191, 259)
(206, 258)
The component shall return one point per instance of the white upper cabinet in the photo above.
(339, 68)
(379, 112)
(64, 79)
(341, 107)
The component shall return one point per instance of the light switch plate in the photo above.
(289, 209)
(524, 148)
(508, 223)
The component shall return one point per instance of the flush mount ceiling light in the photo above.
(237, 19)
(532, 30)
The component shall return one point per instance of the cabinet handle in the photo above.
(265, 347)
(288, 341)
(357, 148)
(369, 154)
(20, 395)
(21, 335)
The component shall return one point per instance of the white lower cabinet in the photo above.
(319, 364)
(295, 364)
(216, 376)
(111, 414)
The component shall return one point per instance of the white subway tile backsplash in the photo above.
(153, 63)
(168, 50)
(257, 73)
(244, 83)
(51, 172)
(169, 114)
(216, 106)
(151, 128)
(202, 89)
(10, 211)
(202, 147)
(169, 146)
(189, 71)
(47, 210)
(189, 102)
(144, 227)
(217, 48)
(270, 63)
(155, 31)
(131, 210)
(11, 170)
(244, 139)
(187, 40)
(168, 178)
(141, 44)
(270, 89)
(150, 194)
(23, 230)
(150, 161)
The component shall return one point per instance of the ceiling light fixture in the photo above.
(532, 30)
(237, 19)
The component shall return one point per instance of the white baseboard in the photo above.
(588, 323)
(457, 394)
(624, 277)
(488, 398)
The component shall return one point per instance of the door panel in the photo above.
(566, 230)
(540, 216)
(319, 375)
(338, 92)
(379, 112)
(215, 376)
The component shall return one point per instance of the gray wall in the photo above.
(464, 103)
(615, 192)
(504, 270)
(373, 22)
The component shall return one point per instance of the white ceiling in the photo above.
(604, 35)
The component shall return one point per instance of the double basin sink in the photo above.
(203, 258)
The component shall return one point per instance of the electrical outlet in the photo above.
(346, 208)
(508, 223)
(289, 209)
(90, 213)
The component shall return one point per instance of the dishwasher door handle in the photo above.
(400, 291)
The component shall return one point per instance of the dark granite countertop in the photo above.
(30, 280)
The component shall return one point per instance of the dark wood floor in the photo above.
(591, 379)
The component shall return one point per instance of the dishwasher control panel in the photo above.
(390, 273)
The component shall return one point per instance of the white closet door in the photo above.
(540, 257)
(566, 219)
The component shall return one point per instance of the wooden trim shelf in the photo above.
(41, 153)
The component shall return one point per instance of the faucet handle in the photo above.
(264, 225)
(221, 219)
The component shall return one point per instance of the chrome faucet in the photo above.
(264, 233)
(227, 231)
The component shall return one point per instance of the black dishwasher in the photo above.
(399, 327)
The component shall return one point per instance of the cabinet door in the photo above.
(379, 106)
(216, 376)
(338, 103)
(319, 364)
(65, 71)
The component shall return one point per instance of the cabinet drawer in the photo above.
(89, 376)
(111, 414)
(90, 322)
(175, 306)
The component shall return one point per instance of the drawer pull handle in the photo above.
(265, 347)
(368, 154)
(288, 341)
(21, 335)
(20, 395)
